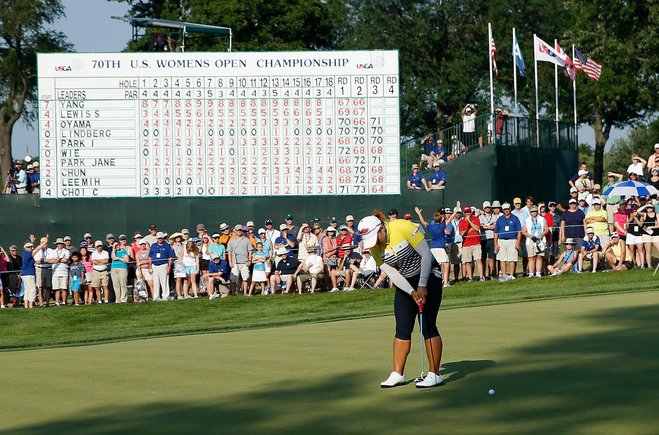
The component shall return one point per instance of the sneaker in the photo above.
(334, 290)
(393, 380)
(448, 284)
(348, 289)
(538, 275)
(3, 306)
(431, 380)
(214, 295)
(482, 279)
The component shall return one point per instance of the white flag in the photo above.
(546, 53)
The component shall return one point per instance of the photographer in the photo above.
(9, 187)
(469, 114)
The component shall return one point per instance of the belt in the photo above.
(101, 270)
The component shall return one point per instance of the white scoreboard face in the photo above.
(218, 124)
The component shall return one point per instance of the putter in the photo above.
(421, 343)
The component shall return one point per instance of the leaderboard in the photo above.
(219, 124)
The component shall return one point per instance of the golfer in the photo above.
(400, 250)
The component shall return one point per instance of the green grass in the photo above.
(567, 366)
(65, 326)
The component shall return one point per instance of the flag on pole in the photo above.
(519, 60)
(493, 54)
(569, 70)
(545, 53)
(588, 65)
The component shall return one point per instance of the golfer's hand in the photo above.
(420, 295)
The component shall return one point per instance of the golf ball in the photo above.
(491, 392)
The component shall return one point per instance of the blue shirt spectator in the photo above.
(437, 175)
(28, 268)
(592, 244)
(507, 227)
(221, 266)
(160, 254)
(573, 223)
(437, 234)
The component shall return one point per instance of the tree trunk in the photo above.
(6, 158)
(602, 131)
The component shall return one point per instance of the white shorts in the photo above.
(646, 238)
(60, 282)
(471, 253)
(242, 270)
(633, 240)
(532, 249)
(507, 251)
(259, 276)
(440, 255)
(655, 239)
(29, 283)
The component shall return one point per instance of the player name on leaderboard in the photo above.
(219, 124)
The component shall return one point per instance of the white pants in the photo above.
(160, 282)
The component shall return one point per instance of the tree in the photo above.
(623, 37)
(24, 31)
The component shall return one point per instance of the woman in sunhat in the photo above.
(400, 250)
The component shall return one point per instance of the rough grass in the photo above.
(67, 326)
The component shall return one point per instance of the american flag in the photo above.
(588, 65)
(493, 52)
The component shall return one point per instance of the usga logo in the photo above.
(364, 66)
(63, 68)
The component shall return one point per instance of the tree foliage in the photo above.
(24, 31)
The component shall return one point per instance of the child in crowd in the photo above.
(259, 277)
(76, 276)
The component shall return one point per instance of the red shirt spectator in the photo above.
(472, 237)
(344, 238)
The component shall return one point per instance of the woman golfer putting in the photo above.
(402, 253)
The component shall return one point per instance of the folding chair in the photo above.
(367, 280)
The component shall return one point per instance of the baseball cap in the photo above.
(368, 230)
(573, 189)
(238, 227)
(281, 251)
(496, 204)
(597, 187)
(590, 230)
(415, 166)
(551, 203)
(393, 211)
(121, 237)
(533, 208)
(436, 165)
(505, 206)
(333, 220)
(597, 201)
(656, 146)
(98, 243)
(109, 236)
(245, 228)
(289, 216)
(87, 236)
(467, 209)
(486, 204)
(517, 200)
(160, 235)
(283, 227)
(331, 229)
(29, 167)
(261, 230)
(215, 236)
(249, 224)
(268, 221)
(67, 238)
(572, 201)
(569, 241)
(153, 227)
(28, 245)
(137, 236)
(349, 218)
(448, 210)
(84, 244)
(201, 227)
(408, 216)
(36, 164)
(614, 234)
(582, 172)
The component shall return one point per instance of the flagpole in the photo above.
(514, 71)
(489, 56)
(556, 97)
(574, 101)
(537, 112)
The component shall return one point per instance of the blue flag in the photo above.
(519, 60)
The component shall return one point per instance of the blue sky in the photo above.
(90, 28)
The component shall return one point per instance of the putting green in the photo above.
(581, 365)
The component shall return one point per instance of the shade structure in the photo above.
(631, 188)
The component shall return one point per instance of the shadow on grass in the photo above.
(594, 382)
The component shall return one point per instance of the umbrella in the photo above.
(631, 188)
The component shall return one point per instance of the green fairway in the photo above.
(58, 326)
(577, 365)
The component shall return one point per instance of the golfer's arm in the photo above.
(397, 279)
(426, 262)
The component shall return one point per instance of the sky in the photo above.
(90, 28)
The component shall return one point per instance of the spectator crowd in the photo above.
(587, 231)
(21, 181)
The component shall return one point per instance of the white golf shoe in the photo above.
(431, 380)
(393, 380)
